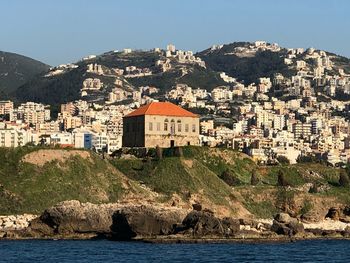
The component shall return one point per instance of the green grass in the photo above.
(291, 173)
(263, 209)
(170, 175)
(240, 167)
(25, 187)
(28, 188)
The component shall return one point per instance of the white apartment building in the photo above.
(13, 137)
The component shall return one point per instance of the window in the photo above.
(150, 126)
(186, 127)
(158, 126)
(172, 127)
(193, 127)
(179, 126)
(166, 125)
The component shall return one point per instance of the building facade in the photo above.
(161, 124)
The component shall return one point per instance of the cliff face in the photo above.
(33, 179)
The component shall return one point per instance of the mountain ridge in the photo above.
(244, 61)
(16, 70)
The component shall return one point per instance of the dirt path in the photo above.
(43, 156)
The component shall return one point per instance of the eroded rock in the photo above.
(284, 224)
(204, 223)
(145, 221)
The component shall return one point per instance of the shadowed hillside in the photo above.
(15, 70)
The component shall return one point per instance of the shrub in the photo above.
(307, 206)
(282, 159)
(344, 180)
(254, 180)
(229, 178)
(281, 180)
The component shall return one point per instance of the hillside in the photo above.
(66, 83)
(130, 70)
(32, 179)
(15, 70)
(244, 66)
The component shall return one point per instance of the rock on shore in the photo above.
(71, 217)
(125, 221)
(119, 221)
(145, 221)
(15, 222)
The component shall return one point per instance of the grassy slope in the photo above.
(25, 187)
(196, 172)
(29, 188)
(173, 175)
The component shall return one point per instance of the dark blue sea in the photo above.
(109, 251)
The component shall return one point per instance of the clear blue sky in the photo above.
(62, 31)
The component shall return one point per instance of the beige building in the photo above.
(160, 124)
(6, 107)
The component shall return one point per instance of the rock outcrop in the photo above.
(284, 224)
(145, 221)
(204, 223)
(339, 214)
(73, 217)
(15, 222)
(129, 221)
(119, 221)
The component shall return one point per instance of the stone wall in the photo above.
(134, 131)
(164, 141)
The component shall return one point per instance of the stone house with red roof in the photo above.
(160, 124)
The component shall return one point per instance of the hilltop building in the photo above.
(160, 124)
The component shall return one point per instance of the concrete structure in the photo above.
(13, 137)
(6, 107)
(160, 124)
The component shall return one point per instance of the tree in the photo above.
(281, 180)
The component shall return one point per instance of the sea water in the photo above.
(111, 251)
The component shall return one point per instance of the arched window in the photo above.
(166, 125)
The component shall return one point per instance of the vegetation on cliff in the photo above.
(27, 187)
(223, 180)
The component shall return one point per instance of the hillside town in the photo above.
(276, 119)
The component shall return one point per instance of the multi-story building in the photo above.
(13, 137)
(301, 129)
(6, 107)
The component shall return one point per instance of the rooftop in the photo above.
(163, 109)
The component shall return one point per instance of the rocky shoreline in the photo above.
(166, 224)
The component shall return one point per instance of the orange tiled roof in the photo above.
(163, 109)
